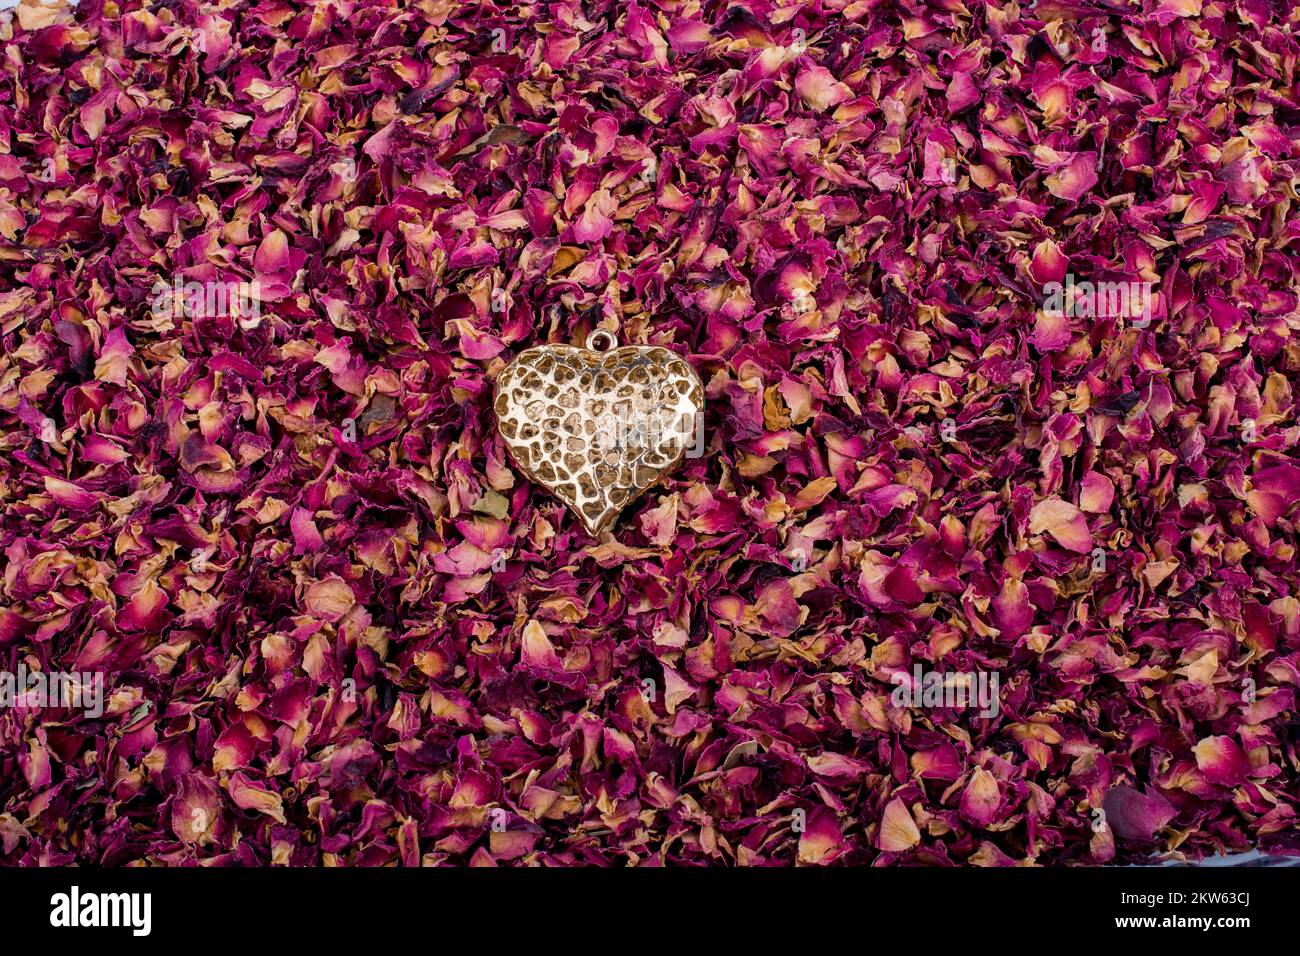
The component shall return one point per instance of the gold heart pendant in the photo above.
(596, 428)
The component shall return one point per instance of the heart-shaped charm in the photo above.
(597, 428)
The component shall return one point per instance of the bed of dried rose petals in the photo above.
(332, 623)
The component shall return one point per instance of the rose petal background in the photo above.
(336, 627)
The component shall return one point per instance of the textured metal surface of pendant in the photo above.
(597, 428)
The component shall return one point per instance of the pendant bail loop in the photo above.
(601, 335)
